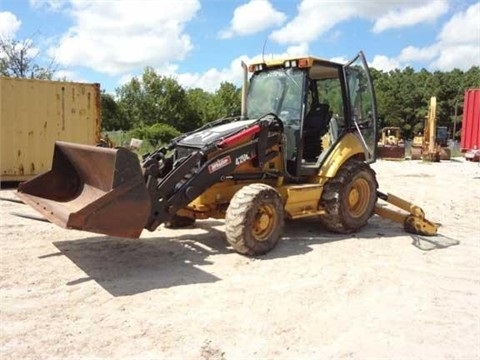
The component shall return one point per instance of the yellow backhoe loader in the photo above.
(302, 147)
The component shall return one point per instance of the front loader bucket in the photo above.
(391, 152)
(91, 188)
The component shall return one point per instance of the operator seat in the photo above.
(314, 127)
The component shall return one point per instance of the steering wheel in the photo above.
(275, 119)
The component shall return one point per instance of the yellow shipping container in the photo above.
(36, 113)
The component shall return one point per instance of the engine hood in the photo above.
(203, 137)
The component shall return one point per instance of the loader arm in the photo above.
(413, 222)
(174, 188)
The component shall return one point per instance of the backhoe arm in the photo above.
(414, 222)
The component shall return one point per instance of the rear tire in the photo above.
(349, 198)
(254, 219)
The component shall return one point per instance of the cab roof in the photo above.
(281, 60)
(319, 68)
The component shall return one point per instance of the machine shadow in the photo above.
(126, 267)
(300, 235)
(130, 266)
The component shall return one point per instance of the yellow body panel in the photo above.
(36, 113)
(349, 146)
(281, 60)
(300, 200)
(303, 200)
(215, 199)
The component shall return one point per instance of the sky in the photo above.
(201, 43)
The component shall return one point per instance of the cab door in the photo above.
(362, 104)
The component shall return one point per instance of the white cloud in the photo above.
(117, 37)
(70, 76)
(313, 20)
(459, 41)
(9, 25)
(381, 62)
(463, 27)
(297, 50)
(319, 18)
(457, 46)
(211, 79)
(53, 5)
(412, 54)
(409, 16)
(340, 59)
(462, 56)
(123, 37)
(251, 18)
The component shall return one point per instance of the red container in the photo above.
(471, 120)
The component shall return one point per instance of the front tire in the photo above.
(349, 198)
(254, 219)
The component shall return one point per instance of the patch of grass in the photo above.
(456, 153)
(122, 138)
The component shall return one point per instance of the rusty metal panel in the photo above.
(36, 113)
(471, 120)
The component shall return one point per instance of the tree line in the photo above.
(157, 108)
(403, 97)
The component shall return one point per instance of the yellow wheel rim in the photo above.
(358, 197)
(264, 222)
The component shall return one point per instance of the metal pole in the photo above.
(454, 123)
(244, 90)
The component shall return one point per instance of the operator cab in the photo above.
(318, 101)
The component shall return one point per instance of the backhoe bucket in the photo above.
(91, 188)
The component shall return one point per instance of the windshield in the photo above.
(277, 91)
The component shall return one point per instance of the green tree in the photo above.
(18, 59)
(112, 117)
(201, 105)
(156, 99)
(471, 79)
(227, 100)
(403, 96)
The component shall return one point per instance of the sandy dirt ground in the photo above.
(185, 294)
